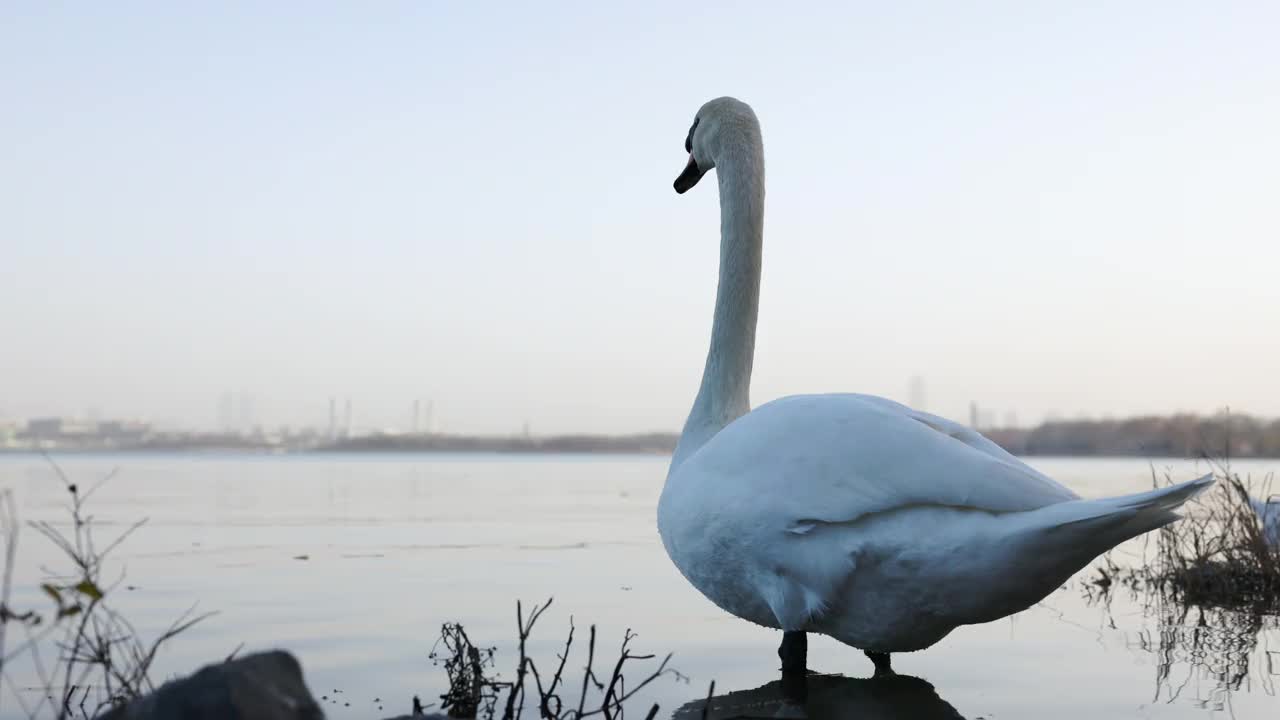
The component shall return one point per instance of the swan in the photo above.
(850, 515)
(1268, 512)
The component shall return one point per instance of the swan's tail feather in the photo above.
(1047, 546)
(1168, 498)
(1147, 510)
(1116, 519)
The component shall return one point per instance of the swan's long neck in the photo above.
(726, 378)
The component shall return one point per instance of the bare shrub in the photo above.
(473, 693)
(1219, 555)
(101, 660)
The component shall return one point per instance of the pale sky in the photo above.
(1043, 207)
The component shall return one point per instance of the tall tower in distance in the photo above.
(226, 412)
(333, 418)
(346, 420)
(915, 393)
(246, 413)
(417, 407)
(973, 414)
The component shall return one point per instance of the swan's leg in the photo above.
(881, 661)
(795, 690)
(793, 651)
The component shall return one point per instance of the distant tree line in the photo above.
(1172, 436)
(1237, 436)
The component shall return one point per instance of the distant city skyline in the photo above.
(1041, 208)
(341, 423)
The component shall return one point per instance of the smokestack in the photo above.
(916, 393)
(333, 417)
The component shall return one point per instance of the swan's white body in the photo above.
(1268, 511)
(852, 515)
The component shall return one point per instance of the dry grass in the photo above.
(99, 660)
(1217, 556)
(473, 692)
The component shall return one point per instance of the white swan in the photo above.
(1268, 512)
(852, 515)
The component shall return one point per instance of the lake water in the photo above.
(395, 545)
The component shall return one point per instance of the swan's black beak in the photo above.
(689, 177)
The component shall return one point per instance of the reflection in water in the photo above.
(1215, 643)
(829, 696)
(1231, 648)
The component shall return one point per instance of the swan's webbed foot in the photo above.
(881, 661)
(794, 651)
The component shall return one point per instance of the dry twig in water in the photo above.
(472, 694)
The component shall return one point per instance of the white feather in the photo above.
(1268, 512)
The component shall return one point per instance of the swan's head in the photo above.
(721, 125)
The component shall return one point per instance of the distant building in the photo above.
(333, 418)
(61, 432)
(247, 419)
(916, 393)
(38, 427)
(8, 433)
(122, 432)
(53, 431)
(226, 412)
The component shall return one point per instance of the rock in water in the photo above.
(263, 686)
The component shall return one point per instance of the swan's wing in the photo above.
(836, 458)
(963, 433)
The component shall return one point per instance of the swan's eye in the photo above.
(688, 141)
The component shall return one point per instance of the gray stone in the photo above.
(828, 697)
(263, 686)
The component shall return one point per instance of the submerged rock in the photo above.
(828, 697)
(263, 686)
